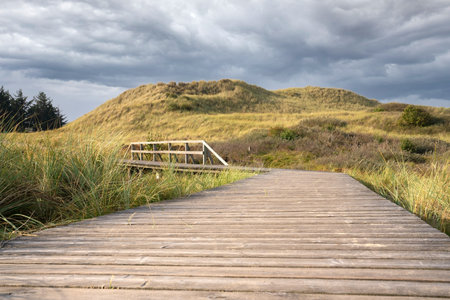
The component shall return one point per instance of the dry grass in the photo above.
(425, 192)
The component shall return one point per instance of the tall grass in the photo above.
(49, 181)
(424, 192)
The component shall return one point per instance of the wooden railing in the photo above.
(189, 150)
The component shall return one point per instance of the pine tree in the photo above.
(5, 102)
(20, 110)
(44, 115)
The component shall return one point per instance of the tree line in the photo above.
(20, 114)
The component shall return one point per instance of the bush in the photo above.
(415, 116)
(283, 133)
(288, 135)
(408, 145)
(423, 146)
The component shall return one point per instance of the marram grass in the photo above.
(426, 193)
(54, 181)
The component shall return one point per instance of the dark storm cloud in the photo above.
(382, 49)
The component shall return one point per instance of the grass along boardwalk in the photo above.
(285, 234)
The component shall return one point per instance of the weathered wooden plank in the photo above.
(231, 252)
(42, 293)
(309, 228)
(236, 272)
(319, 286)
(298, 235)
(381, 263)
(248, 243)
(221, 244)
(251, 220)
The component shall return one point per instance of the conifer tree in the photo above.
(44, 115)
(5, 102)
(20, 110)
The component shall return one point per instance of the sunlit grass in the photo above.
(423, 192)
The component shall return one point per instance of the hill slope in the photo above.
(212, 105)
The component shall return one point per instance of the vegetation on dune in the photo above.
(153, 106)
(400, 151)
(218, 110)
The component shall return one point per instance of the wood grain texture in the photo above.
(280, 235)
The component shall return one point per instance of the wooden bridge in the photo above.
(284, 234)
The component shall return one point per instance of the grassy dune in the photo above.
(308, 128)
(216, 111)
(212, 110)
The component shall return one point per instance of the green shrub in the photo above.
(283, 133)
(408, 145)
(422, 146)
(415, 116)
(288, 135)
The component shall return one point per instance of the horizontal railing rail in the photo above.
(140, 150)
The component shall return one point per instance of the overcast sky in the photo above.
(82, 53)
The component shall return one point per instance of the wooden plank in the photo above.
(279, 252)
(319, 286)
(245, 242)
(235, 272)
(284, 245)
(42, 293)
(330, 262)
(421, 236)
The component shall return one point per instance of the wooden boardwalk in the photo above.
(280, 235)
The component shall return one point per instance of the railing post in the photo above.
(186, 157)
(154, 154)
(140, 154)
(204, 153)
(170, 154)
(131, 151)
